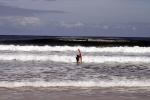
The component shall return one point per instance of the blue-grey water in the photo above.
(46, 66)
(49, 67)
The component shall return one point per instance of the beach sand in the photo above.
(29, 93)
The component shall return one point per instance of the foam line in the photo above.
(135, 49)
(113, 83)
(71, 59)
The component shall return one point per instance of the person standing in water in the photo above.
(79, 57)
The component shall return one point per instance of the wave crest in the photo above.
(71, 59)
(135, 49)
(114, 83)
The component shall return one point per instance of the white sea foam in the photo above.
(113, 83)
(135, 49)
(71, 59)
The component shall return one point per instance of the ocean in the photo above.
(48, 71)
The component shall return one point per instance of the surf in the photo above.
(46, 48)
(90, 83)
(71, 59)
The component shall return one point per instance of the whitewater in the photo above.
(55, 66)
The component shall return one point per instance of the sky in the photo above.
(121, 18)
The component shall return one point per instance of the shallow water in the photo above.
(59, 93)
(52, 66)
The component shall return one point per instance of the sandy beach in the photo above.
(28, 93)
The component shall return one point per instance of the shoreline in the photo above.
(73, 94)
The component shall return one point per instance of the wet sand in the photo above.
(29, 93)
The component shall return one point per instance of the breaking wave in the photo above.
(113, 83)
(71, 59)
(97, 54)
(135, 49)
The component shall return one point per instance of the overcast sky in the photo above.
(75, 17)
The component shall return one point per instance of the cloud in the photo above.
(105, 27)
(15, 11)
(20, 21)
(71, 24)
(134, 28)
(29, 0)
(50, 0)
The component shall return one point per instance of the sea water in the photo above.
(55, 67)
(46, 66)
